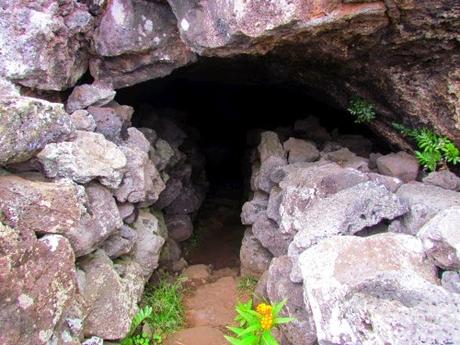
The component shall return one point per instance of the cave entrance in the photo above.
(226, 102)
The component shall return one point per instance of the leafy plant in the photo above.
(255, 326)
(434, 150)
(247, 284)
(168, 315)
(143, 315)
(362, 111)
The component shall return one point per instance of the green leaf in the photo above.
(268, 339)
(278, 306)
(280, 320)
(232, 340)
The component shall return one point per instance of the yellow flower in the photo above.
(266, 322)
(264, 309)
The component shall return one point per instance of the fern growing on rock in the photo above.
(361, 110)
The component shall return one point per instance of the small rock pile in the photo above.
(353, 240)
(87, 202)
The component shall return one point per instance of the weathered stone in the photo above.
(179, 226)
(141, 182)
(300, 331)
(136, 41)
(111, 120)
(126, 209)
(451, 281)
(27, 125)
(112, 297)
(136, 139)
(42, 207)
(444, 179)
(82, 96)
(424, 202)
(441, 238)
(148, 244)
(269, 235)
(169, 194)
(302, 187)
(401, 165)
(311, 128)
(41, 45)
(391, 183)
(251, 209)
(356, 143)
(101, 220)
(254, 258)
(170, 253)
(345, 213)
(377, 289)
(89, 157)
(120, 243)
(82, 120)
(163, 154)
(197, 274)
(37, 284)
(348, 159)
(300, 150)
(188, 201)
(274, 203)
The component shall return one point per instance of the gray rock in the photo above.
(135, 139)
(356, 143)
(451, 281)
(120, 243)
(83, 96)
(302, 330)
(441, 238)
(391, 183)
(149, 134)
(424, 202)
(401, 165)
(42, 45)
(170, 253)
(169, 194)
(269, 235)
(111, 120)
(444, 179)
(27, 125)
(251, 209)
(113, 296)
(89, 157)
(274, 203)
(254, 258)
(347, 159)
(179, 226)
(300, 150)
(188, 201)
(126, 209)
(148, 244)
(377, 290)
(163, 154)
(82, 120)
(37, 285)
(345, 213)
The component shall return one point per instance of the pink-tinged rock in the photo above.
(169, 194)
(251, 209)
(188, 201)
(441, 238)
(150, 240)
(375, 290)
(136, 41)
(300, 150)
(444, 179)
(90, 156)
(42, 44)
(37, 284)
(254, 258)
(27, 125)
(401, 165)
(111, 120)
(270, 236)
(179, 226)
(82, 96)
(112, 295)
(42, 207)
(82, 120)
(137, 139)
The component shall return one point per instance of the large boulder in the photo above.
(88, 157)
(251, 209)
(441, 238)
(83, 96)
(401, 165)
(444, 179)
(377, 290)
(112, 294)
(269, 235)
(37, 285)
(41, 44)
(180, 226)
(149, 241)
(27, 125)
(346, 213)
(302, 330)
(424, 202)
(254, 258)
(136, 41)
(300, 150)
(112, 120)
(120, 243)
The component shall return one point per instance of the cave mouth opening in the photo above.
(226, 102)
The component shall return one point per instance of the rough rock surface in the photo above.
(254, 258)
(401, 165)
(269, 235)
(82, 96)
(302, 330)
(300, 151)
(441, 238)
(112, 297)
(41, 44)
(88, 157)
(444, 179)
(83, 120)
(27, 125)
(375, 290)
(179, 226)
(136, 41)
(37, 284)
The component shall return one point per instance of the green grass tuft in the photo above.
(247, 284)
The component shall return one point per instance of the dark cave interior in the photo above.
(224, 101)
